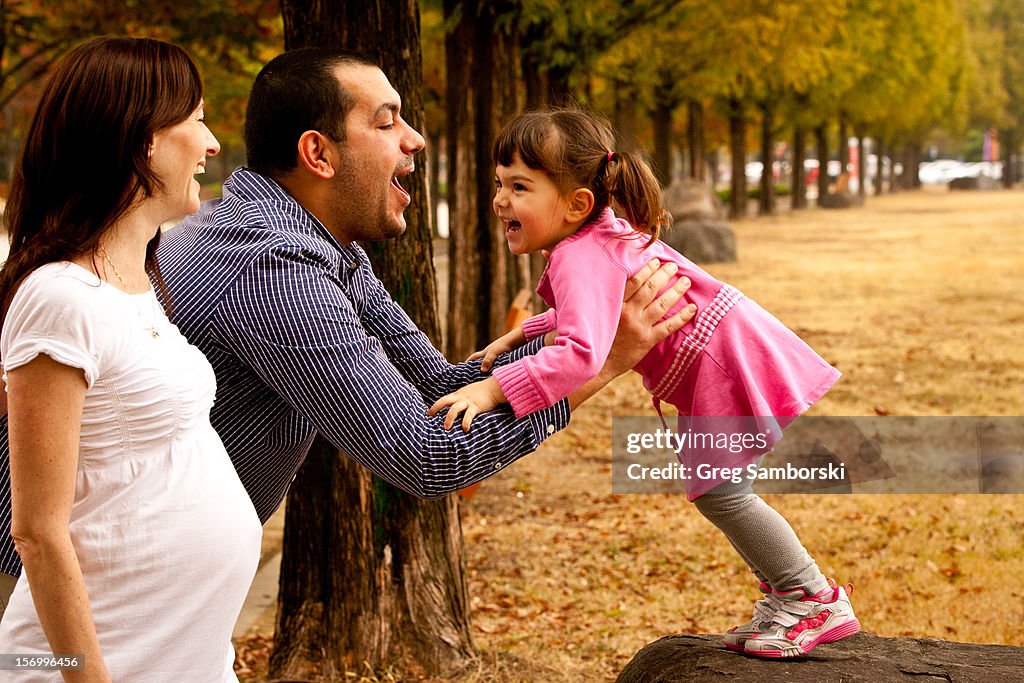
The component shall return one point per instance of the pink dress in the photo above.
(732, 360)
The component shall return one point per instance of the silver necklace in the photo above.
(106, 256)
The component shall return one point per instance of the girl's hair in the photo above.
(86, 156)
(576, 149)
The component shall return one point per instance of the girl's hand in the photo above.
(472, 399)
(503, 344)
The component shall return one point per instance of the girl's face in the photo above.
(178, 154)
(530, 207)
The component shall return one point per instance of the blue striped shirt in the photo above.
(305, 340)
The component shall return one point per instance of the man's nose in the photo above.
(413, 142)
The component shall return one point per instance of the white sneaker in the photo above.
(801, 623)
(764, 611)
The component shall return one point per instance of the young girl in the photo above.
(557, 178)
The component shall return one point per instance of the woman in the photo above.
(138, 540)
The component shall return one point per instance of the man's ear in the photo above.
(581, 203)
(317, 154)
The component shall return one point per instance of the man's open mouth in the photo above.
(401, 190)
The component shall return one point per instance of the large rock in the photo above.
(699, 230)
(687, 199)
(862, 658)
(979, 182)
(702, 241)
(840, 200)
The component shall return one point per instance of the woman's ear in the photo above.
(316, 154)
(581, 203)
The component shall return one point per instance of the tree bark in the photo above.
(371, 575)
(695, 138)
(738, 149)
(766, 197)
(821, 141)
(799, 184)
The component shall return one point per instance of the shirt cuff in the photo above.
(522, 392)
(539, 325)
(550, 420)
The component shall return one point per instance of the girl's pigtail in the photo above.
(636, 193)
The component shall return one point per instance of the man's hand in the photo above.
(640, 325)
(475, 398)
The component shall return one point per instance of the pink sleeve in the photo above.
(587, 286)
(540, 324)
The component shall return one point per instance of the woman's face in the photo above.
(179, 154)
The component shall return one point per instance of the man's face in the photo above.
(377, 150)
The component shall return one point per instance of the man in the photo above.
(269, 283)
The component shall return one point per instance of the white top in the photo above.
(166, 535)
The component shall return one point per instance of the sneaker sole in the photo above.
(830, 636)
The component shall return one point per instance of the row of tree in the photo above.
(698, 74)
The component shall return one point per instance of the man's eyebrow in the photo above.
(392, 107)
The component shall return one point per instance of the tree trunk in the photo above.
(738, 148)
(661, 121)
(821, 141)
(508, 76)
(371, 575)
(844, 144)
(1009, 151)
(491, 238)
(766, 197)
(862, 165)
(470, 233)
(911, 163)
(481, 91)
(879, 167)
(625, 117)
(434, 147)
(695, 138)
(559, 91)
(799, 184)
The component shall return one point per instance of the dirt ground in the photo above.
(916, 299)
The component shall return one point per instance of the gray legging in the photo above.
(762, 537)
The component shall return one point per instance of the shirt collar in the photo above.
(250, 185)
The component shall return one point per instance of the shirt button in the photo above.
(497, 465)
(551, 429)
(354, 265)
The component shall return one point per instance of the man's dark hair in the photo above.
(295, 92)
